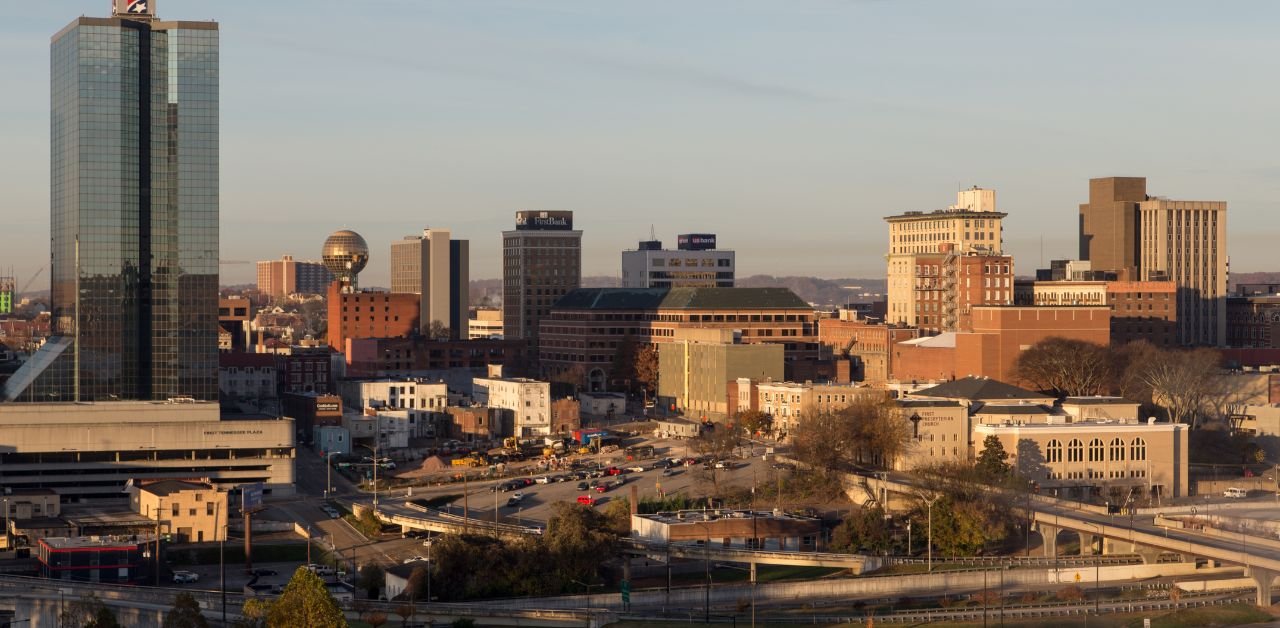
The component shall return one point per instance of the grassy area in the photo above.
(1230, 615)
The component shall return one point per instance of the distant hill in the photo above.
(823, 292)
(1259, 277)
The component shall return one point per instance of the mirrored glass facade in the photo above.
(134, 209)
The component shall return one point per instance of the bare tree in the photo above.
(1064, 366)
(1183, 382)
(437, 330)
(872, 430)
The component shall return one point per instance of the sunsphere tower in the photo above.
(134, 209)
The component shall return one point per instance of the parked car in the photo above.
(542, 480)
(582, 486)
(518, 496)
(724, 464)
(321, 570)
(185, 577)
(636, 469)
(586, 500)
(262, 571)
(1235, 493)
(600, 488)
(613, 471)
(668, 472)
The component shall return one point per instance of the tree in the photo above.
(437, 330)
(959, 528)
(1065, 367)
(185, 613)
(371, 579)
(754, 421)
(254, 613)
(617, 515)
(578, 539)
(416, 587)
(374, 618)
(646, 370)
(1183, 382)
(870, 431)
(88, 612)
(864, 530)
(306, 602)
(406, 611)
(991, 463)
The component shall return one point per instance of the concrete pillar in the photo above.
(1150, 555)
(1049, 537)
(1087, 544)
(1264, 580)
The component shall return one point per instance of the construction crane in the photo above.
(29, 281)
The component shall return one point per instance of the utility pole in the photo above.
(159, 505)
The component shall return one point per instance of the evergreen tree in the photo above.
(306, 603)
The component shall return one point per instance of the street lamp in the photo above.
(929, 503)
(328, 473)
(1097, 568)
(374, 449)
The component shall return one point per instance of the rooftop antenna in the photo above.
(653, 235)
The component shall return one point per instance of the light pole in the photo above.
(908, 537)
(328, 473)
(1097, 568)
(929, 503)
(374, 449)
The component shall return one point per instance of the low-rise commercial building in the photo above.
(696, 263)
(485, 324)
(193, 512)
(869, 343)
(602, 404)
(528, 400)
(107, 559)
(740, 529)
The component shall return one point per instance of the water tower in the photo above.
(345, 254)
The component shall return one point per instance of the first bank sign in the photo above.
(134, 7)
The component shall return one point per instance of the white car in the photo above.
(636, 469)
(542, 480)
(184, 577)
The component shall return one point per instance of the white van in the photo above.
(1237, 493)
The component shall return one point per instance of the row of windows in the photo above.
(1097, 451)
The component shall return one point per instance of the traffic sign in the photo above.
(626, 591)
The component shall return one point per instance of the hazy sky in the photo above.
(790, 128)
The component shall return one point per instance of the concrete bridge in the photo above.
(1147, 535)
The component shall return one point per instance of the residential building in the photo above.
(139, 440)
(134, 204)
(948, 286)
(485, 324)
(1149, 238)
(421, 400)
(971, 226)
(789, 402)
(418, 356)
(247, 376)
(193, 512)
(541, 262)
(528, 400)
(696, 366)
(696, 263)
(586, 327)
(437, 269)
(370, 315)
(277, 279)
(1253, 321)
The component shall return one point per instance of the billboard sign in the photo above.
(133, 8)
(696, 241)
(251, 497)
(327, 406)
(544, 221)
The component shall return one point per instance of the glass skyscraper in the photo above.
(134, 204)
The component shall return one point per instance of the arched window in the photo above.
(1138, 449)
(1096, 450)
(1075, 451)
(1053, 451)
(1117, 449)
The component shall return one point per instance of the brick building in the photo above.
(867, 342)
(370, 315)
(1140, 310)
(1253, 321)
(949, 286)
(585, 328)
(369, 357)
(999, 335)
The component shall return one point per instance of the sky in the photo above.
(790, 128)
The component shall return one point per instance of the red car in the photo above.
(586, 500)
(614, 471)
(600, 488)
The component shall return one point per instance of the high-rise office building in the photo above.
(970, 227)
(541, 262)
(696, 263)
(282, 277)
(1149, 238)
(134, 205)
(437, 268)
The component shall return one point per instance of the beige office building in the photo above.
(194, 512)
(695, 368)
(971, 226)
(485, 324)
(437, 269)
(1151, 238)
